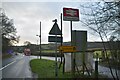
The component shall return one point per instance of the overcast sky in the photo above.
(27, 17)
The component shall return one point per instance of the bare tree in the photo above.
(104, 19)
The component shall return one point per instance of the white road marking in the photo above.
(7, 65)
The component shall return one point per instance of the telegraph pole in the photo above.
(40, 39)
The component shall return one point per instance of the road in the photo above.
(17, 67)
(106, 71)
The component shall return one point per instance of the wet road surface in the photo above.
(18, 68)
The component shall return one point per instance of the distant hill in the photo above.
(90, 45)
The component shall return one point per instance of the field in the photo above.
(47, 53)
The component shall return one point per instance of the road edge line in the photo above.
(7, 65)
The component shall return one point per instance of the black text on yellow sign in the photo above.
(67, 49)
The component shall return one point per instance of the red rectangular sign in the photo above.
(70, 14)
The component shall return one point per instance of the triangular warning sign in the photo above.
(55, 30)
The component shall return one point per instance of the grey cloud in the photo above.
(27, 17)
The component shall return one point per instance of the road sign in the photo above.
(70, 14)
(53, 39)
(55, 30)
(81, 41)
(67, 49)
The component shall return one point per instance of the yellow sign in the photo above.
(67, 49)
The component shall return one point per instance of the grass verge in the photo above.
(46, 69)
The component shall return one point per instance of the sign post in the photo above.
(56, 68)
(70, 14)
(55, 31)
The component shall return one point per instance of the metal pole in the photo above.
(40, 39)
(72, 55)
(61, 30)
(61, 45)
(96, 67)
(38, 49)
(56, 68)
(62, 55)
(56, 53)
